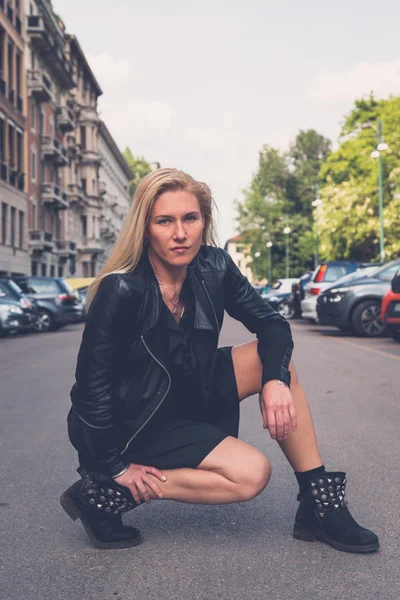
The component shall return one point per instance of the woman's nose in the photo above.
(180, 232)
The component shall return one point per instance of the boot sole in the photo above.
(74, 512)
(308, 535)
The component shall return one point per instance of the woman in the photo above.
(155, 406)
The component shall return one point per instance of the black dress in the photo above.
(185, 429)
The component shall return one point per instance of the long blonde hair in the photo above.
(129, 247)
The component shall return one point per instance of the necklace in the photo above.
(175, 298)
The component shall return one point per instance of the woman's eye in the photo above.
(163, 221)
(191, 218)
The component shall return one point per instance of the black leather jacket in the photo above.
(121, 378)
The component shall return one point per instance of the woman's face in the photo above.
(175, 228)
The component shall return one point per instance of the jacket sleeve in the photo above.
(275, 343)
(92, 395)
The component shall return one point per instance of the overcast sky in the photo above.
(203, 85)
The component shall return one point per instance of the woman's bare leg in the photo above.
(300, 448)
(233, 472)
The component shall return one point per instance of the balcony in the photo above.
(41, 241)
(66, 248)
(72, 146)
(54, 151)
(40, 86)
(102, 188)
(45, 43)
(90, 157)
(66, 117)
(91, 245)
(53, 196)
(76, 194)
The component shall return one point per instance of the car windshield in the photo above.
(66, 287)
(15, 287)
(387, 272)
(365, 272)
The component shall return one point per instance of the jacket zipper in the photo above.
(161, 401)
(212, 305)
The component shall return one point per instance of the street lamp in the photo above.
(377, 153)
(257, 254)
(315, 204)
(269, 246)
(286, 231)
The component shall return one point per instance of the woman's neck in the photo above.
(168, 275)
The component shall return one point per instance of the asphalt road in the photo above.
(235, 552)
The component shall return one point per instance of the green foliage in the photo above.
(139, 167)
(349, 216)
(280, 195)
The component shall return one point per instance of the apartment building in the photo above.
(115, 176)
(13, 242)
(236, 247)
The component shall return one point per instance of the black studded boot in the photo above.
(99, 503)
(323, 515)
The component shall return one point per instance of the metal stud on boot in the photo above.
(323, 515)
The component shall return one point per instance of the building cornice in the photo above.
(104, 132)
(75, 45)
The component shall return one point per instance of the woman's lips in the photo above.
(180, 249)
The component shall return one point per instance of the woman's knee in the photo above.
(254, 479)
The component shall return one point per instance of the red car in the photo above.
(390, 311)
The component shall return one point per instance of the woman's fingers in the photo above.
(271, 423)
(156, 473)
(279, 424)
(135, 493)
(143, 491)
(153, 486)
(293, 416)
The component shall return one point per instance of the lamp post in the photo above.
(269, 246)
(377, 153)
(287, 231)
(315, 204)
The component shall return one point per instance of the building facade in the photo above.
(235, 246)
(51, 116)
(13, 242)
(115, 176)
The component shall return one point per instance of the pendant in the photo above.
(175, 311)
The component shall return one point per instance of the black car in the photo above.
(56, 301)
(280, 297)
(354, 304)
(10, 291)
(13, 318)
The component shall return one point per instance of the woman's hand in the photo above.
(277, 409)
(137, 481)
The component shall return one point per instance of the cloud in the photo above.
(199, 136)
(109, 71)
(383, 78)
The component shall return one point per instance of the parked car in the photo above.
(10, 291)
(390, 309)
(13, 318)
(56, 301)
(279, 297)
(354, 304)
(323, 277)
(80, 286)
(298, 293)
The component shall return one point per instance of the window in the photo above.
(38, 285)
(20, 229)
(33, 163)
(84, 225)
(4, 216)
(2, 140)
(60, 271)
(83, 137)
(34, 268)
(33, 217)
(84, 185)
(13, 217)
(52, 270)
(43, 269)
(388, 273)
(33, 114)
(20, 146)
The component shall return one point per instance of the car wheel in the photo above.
(366, 319)
(286, 310)
(394, 332)
(44, 322)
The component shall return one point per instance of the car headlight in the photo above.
(10, 309)
(337, 294)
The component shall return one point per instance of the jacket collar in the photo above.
(203, 311)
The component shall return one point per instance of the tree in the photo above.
(349, 221)
(280, 194)
(139, 167)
